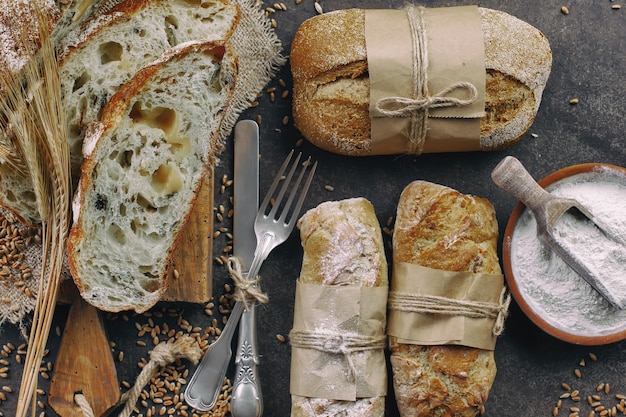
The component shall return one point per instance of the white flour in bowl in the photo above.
(552, 290)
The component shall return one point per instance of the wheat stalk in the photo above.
(34, 111)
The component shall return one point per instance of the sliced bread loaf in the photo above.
(102, 53)
(144, 163)
(105, 52)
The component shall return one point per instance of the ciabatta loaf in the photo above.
(343, 246)
(440, 228)
(145, 162)
(105, 51)
(331, 81)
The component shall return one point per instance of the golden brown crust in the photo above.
(331, 82)
(440, 228)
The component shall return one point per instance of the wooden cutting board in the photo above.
(193, 258)
(84, 362)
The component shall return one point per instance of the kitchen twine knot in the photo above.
(434, 304)
(162, 355)
(246, 290)
(417, 106)
(336, 343)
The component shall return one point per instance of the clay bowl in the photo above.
(592, 321)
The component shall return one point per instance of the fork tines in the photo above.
(276, 201)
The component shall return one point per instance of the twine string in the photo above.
(162, 355)
(337, 343)
(404, 107)
(433, 304)
(418, 106)
(246, 290)
(83, 404)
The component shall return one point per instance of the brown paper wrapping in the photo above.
(455, 54)
(338, 311)
(441, 329)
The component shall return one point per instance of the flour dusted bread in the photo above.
(145, 162)
(331, 81)
(343, 246)
(438, 227)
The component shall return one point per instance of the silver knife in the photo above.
(206, 382)
(246, 395)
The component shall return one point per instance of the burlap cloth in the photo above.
(259, 52)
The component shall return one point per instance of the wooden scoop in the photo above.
(85, 362)
(547, 208)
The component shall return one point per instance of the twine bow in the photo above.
(246, 290)
(337, 343)
(433, 304)
(418, 105)
(405, 107)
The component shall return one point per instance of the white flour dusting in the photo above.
(552, 290)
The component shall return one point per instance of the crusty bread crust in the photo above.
(128, 210)
(440, 228)
(343, 245)
(331, 82)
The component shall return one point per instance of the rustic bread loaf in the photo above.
(331, 81)
(100, 54)
(145, 162)
(440, 228)
(342, 244)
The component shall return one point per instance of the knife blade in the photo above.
(246, 191)
(205, 384)
(246, 396)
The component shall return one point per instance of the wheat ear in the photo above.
(39, 124)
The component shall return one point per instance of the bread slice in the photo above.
(144, 164)
(107, 51)
(104, 52)
(331, 81)
(440, 228)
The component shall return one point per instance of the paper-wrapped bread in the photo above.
(340, 313)
(443, 232)
(332, 77)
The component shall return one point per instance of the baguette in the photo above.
(343, 246)
(440, 228)
(104, 52)
(145, 161)
(331, 82)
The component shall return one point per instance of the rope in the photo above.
(83, 404)
(336, 343)
(418, 106)
(163, 354)
(433, 304)
(246, 290)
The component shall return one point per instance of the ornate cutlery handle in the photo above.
(246, 397)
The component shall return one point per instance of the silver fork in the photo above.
(271, 228)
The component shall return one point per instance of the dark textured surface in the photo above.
(589, 52)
